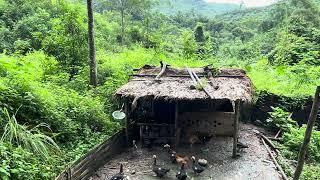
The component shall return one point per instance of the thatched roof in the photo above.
(176, 84)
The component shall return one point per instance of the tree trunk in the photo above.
(122, 21)
(307, 136)
(92, 50)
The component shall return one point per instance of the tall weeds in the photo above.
(31, 139)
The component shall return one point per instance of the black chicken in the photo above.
(157, 169)
(120, 175)
(172, 153)
(182, 173)
(196, 167)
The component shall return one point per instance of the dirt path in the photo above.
(253, 164)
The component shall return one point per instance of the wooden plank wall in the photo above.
(95, 158)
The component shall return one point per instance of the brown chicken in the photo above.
(176, 157)
(182, 159)
(199, 138)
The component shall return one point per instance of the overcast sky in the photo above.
(248, 3)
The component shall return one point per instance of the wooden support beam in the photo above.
(177, 131)
(141, 134)
(236, 128)
(307, 136)
(126, 111)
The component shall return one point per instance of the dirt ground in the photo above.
(254, 162)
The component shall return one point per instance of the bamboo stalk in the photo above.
(284, 176)
(269, 142)
(203, 88)
(191, 75)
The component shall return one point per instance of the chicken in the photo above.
(175, 157)
(182, 160)
(120, 175)
(199, 138)
(159, 170)
(194, 139)
(171, 153)
(135, 151)
(182, 173)
(197, 169)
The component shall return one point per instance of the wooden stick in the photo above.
(278, 133)
(275, 139)
(307, 136)
(199, 82)
(269, 142)
(236, 128)
(284, 176)
(191, 75)
(164, 67)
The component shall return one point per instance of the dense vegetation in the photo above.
(44, 89)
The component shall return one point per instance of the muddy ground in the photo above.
(254, 162)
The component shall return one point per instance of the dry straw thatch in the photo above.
(175, 84)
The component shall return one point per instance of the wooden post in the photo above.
(141, 134)
(177, 131)
(163, 69)
(126, 110)
(236, 128)
(307, 136)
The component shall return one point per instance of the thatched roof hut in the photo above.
(176, 84)
(171, 104)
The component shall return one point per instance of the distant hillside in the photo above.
(198, 6)
(237, 15)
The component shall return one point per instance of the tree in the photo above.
(307, 137)
(200, 39)
(135, 9)
(189, 43)
(199, 34)
(92, 53)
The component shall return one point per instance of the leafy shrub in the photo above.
(311, 172)
(293, 139)
(280, 119)
(18, 163)
(66, 111)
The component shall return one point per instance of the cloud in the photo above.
(248, 3)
